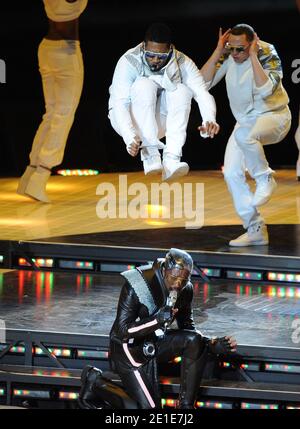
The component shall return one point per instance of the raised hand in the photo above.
(223, 39)
(254, 47)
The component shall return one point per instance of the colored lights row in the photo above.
(23, 393)
(61, 352)
(78, 172)
(81, 265)
(247, 275)
(40, 262)
(44, 394)
(258, 406)
(211, 272)
(274, 367)
(284, 277)
(68, 395)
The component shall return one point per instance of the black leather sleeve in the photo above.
(184, 317)
(129, 310)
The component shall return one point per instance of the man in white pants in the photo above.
(61, 68)
(150, 97)
(259, 103)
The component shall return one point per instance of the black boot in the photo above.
(191, 375)
(87, 397)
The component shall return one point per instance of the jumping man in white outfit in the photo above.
(61, 68)
(150, 97)
(259, 103)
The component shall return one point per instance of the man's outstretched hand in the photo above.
(209, 128)
(223, 345)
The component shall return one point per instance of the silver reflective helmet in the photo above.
(177, 258)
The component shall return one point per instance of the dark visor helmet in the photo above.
(179, 262)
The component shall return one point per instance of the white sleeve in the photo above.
(123, 78)
(221, 69)
(193, 79)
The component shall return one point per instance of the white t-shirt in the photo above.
(245, 98)
(61, 10)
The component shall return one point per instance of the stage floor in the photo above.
(255, 313)
(75, 199)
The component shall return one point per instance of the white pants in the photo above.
(61, 68)
(297, 138)
(245, 151)
(156, 113)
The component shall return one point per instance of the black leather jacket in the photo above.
(133, 320)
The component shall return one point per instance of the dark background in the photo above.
(107, 29)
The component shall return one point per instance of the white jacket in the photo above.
(180, 69)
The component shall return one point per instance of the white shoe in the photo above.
(173, 168)
(265, 186)
(152, 165)
(24, 179)
(256, 235)
(36, 187)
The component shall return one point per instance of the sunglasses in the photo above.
(238, 49)
(161, 56)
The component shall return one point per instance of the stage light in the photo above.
(249, 366)
(22, 393)
(247, 275)
(56, 352)
(283, 277)
(214, 404)
(17, 349)
(78, 172)
(212, 272)
(293, 407)
(68, 395)
(116, 268)
(77, 265)
(258, 406)
(177, 359)
(168, 402)
(2, 392)
(1, 259)
(91, 354)
(40, 262)
(280, 367)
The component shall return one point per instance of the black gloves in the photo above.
(164, 315)
(220, 346)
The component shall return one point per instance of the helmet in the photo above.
(177, 259)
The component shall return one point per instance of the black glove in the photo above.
(164, 315)
(220, 346)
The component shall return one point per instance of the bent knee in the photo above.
(194, 345)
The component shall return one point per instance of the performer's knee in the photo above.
(243, 136)
(194, 345)
(144, 90)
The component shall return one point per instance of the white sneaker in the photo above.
(265, 186)
(256, 235)
(36, 187)
(24, 179)
(152, 165)
(173, 168)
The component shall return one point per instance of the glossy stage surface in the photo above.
(255, 313)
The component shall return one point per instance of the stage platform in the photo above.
(60, 283)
